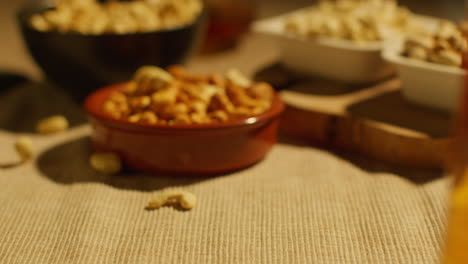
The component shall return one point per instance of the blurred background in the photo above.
(15, 58)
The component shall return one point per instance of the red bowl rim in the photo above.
(93, 107)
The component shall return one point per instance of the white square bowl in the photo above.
(428, 84)
(341, 60)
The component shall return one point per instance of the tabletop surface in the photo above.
(299, 205)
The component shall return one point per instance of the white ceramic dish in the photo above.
(336, 59)
(341, 60)
(428, 84)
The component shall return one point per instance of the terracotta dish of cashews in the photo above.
(176, 121)
(177, 96)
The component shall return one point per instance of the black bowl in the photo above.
(82, 63)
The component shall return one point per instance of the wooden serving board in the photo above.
(374, 119)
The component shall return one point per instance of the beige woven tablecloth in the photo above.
(300, 205)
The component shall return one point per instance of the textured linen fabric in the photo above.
(299, 205)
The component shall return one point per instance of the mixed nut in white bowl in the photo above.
(339, 40)
(446, 44)
(430, 66)
(358, 21)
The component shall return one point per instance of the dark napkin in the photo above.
(23, 102)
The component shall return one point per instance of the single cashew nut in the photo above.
(24, 148)
(238, 78)
(152, 77)
(184, 199)
(107, 163)
(53, 124)
(188, 200)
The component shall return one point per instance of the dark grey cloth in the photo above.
(24, 102)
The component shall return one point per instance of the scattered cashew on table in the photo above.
(186, 200)
(24, 145)
(107, 163)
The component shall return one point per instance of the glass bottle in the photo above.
(228, 20)
(456, 249)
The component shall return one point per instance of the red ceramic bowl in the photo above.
(183, 149)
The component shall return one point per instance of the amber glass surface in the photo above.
(456, 249)
(228, 20)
